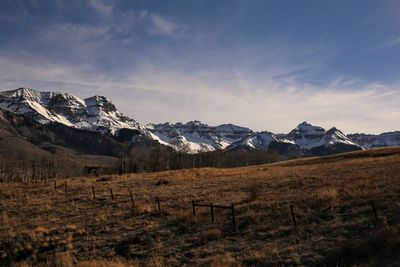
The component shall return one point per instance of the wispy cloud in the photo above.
(74, 31)
(158, 95)
(158, 65)
(102, 8)
(395, 41)
(390, 42)
(153, 23)
(162, 25)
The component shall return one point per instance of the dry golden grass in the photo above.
(331, 196)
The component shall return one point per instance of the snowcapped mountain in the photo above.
(332, 142)
(98, 114)
(380, 140)
(308, 136)
(259, 140)
(95, 113)
(195, 137)
(305, 139)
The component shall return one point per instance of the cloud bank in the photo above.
(153, 95)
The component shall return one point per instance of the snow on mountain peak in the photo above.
(195, 123)
(333, 137)
(22, 92)
(95, 113)
(231, 128)
(260, 141)
(380, 140)
(308, 136)
(195, 136)
(305, 137)
(307, 128)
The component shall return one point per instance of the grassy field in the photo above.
(331, 198)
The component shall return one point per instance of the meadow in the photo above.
(346, 209)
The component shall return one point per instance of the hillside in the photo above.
(331, 199)
(24, 141)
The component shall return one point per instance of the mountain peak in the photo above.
(97, 99)
(22, 92)
(304, 123)
(306, 128)
(195, 123)
(232, 128)
(195, 136)
(99, 103)
(95, 113)
(333, 130)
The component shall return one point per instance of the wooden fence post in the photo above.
(65, 189)
(133, 203)
(212, 212)
(233, 217)
(111, 194)
(193, 208)
(293, 217)
(55, 184)
(158, 204)
(374, 210)
(93, 193)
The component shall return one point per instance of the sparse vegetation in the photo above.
(331, 196)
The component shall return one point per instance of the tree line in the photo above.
(20, 168)
(160, 158)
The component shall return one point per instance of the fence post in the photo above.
(374, 210)
(55, 184)
(111, 194)
(133, 203)
(65, 189)
(233, 217)
(93, 193)
(158, 204)
(194, 208)
(212, 212)
(293, 217)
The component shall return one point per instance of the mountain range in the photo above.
(97, 114)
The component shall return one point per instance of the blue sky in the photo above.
(267, 65)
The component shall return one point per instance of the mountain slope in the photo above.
(260, 141)
(306, 135)
(26, 140)
(371, 140)
(305, 139)
(333, 142)
(321, 142)
(196, 137)
(96, 113)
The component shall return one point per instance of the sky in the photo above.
(263, 64)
